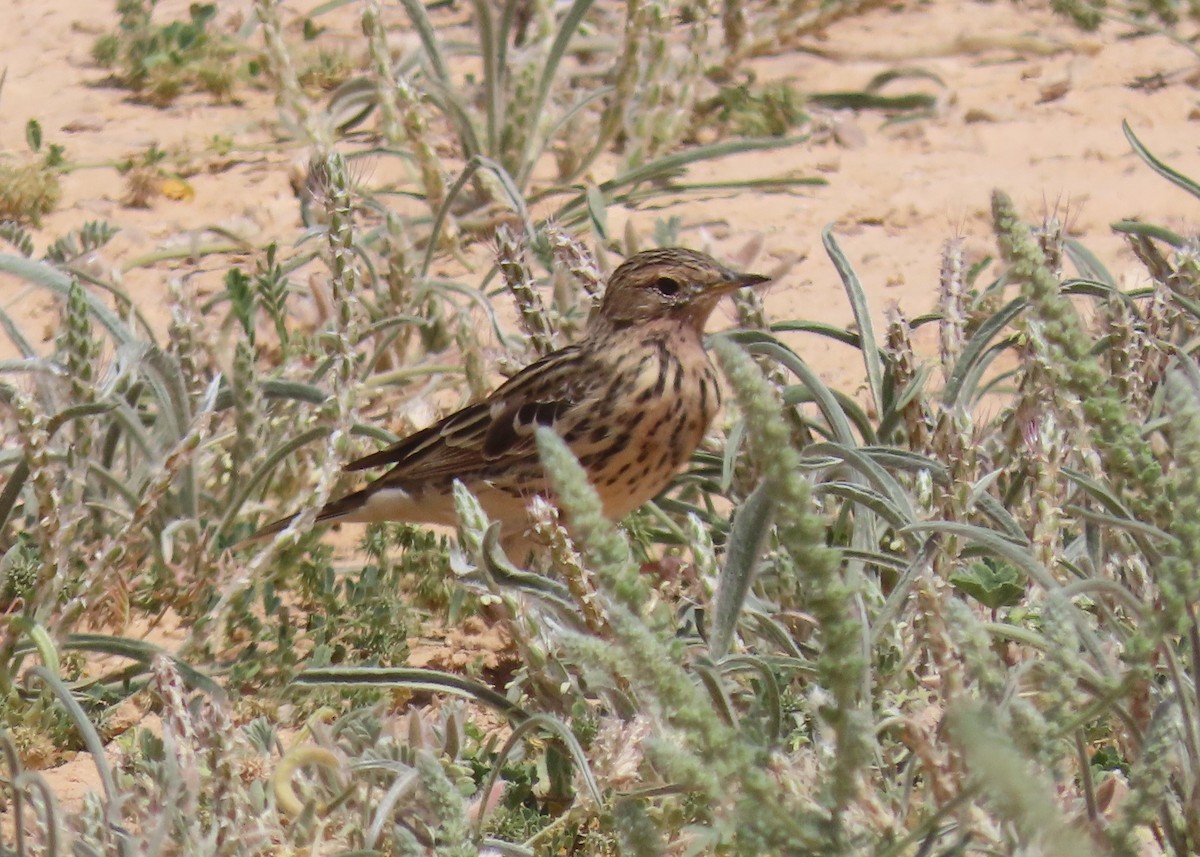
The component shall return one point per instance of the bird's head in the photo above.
(667, 284)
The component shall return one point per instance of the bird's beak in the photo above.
(699, 309)
(742, 281)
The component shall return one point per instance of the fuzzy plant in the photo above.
(935, 625)
(541, 97)
(949, 610)
(131, 466)
(160, 61)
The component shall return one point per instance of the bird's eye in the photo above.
(666, 286)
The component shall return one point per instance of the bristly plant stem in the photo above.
(1125, 452)
(1172, 502)
(832, 598)
(698, 749)
(401, 117)
(385, 80)
(535, 318)
(290, 95)
(344, 280)
(953, 325)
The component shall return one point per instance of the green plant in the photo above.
(952, 611)
(851, 615)
(160, 61)
(523, 108)
(767, 111)
(29, 190)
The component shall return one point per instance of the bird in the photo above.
(632, 399)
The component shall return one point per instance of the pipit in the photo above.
(632, 400)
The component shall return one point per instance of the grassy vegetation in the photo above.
(159, 61)
(953, 614)
(29, 186)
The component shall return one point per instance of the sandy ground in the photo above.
(1028, 104)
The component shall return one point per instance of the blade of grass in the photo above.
(1173, 176)
(868, 498)
(428, 37)
(264, 470)
(798, 394)
(414, 679)
(975, 347)
(839, 334)
(993, 543)
(50, 278)
(758, 342)
(491, 44)
(746, 538)
(567, 29)
(91, 739)
(879, 478)
(667, 166)
(862, 316)
(1086, 262)
(144, 652)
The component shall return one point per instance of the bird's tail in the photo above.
(340, 509)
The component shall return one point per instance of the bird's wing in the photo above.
(500, 426)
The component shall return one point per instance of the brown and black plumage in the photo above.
(632, 399)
